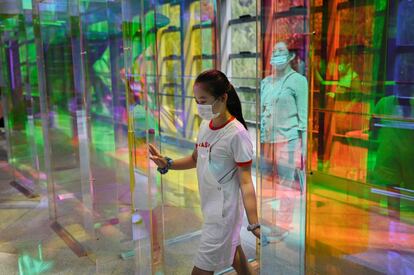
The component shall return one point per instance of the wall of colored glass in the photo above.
(327, 92)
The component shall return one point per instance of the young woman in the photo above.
(223, 157)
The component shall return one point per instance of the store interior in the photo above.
(85, 85)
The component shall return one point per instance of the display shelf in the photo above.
(337, 112)
(316, 9)
(30, 63)
(171, 85)
(293, 11)
(243, 19)
(180, 97)
(354, 4)
(357, 49)
(244, 54)
(404, 49)
(245, 89)
(358, 138)
(204, 25)
(171, 29)
(172, 57)
(204, 56)
(168, 139)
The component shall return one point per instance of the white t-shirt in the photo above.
(233, 148)
(219, 152)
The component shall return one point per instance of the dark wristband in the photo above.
(165, 169)
(253, 227)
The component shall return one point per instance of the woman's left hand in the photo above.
(256, 232)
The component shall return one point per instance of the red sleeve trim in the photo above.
(242, 164)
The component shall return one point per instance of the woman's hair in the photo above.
(217, 84)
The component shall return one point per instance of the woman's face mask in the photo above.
(279, 61)
(206, 111)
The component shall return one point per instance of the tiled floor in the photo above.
(24, 230)
(345, 234)
(342, 234)
(28, 240)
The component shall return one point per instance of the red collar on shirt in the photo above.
(222, 126)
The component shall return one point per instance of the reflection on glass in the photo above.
(344, 96)
(284, 106)
(167, 45)
(395, 154)
(81, 79)
(362, 139)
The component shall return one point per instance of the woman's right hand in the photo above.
(156, 157)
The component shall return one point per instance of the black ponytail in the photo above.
(234, 105)
(217, 84)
